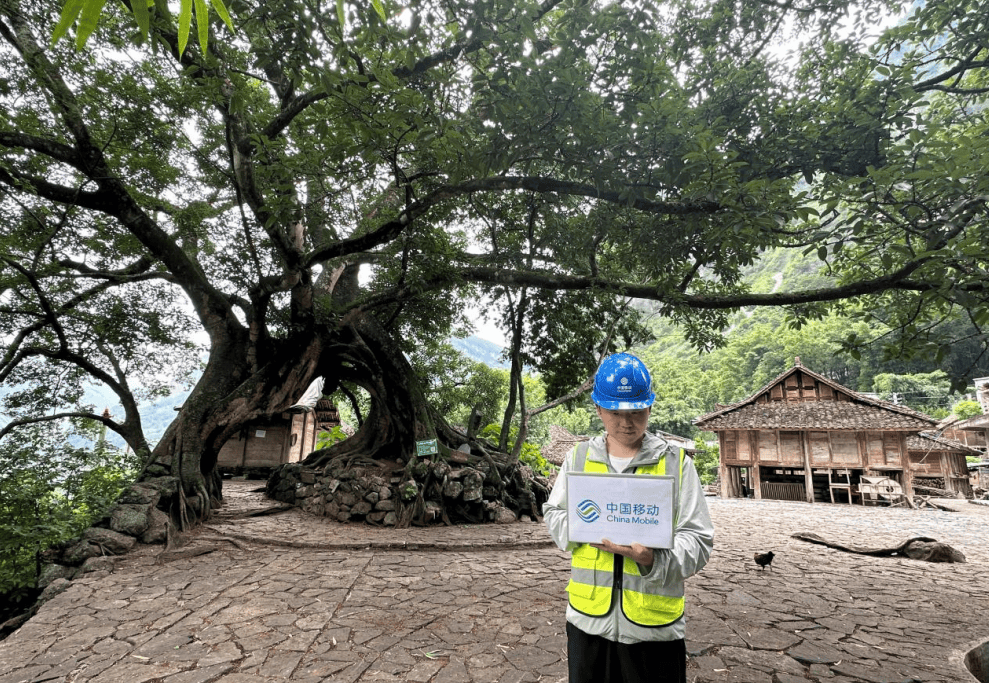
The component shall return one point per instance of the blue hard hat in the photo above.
(622, 382)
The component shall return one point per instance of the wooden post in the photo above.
(808, 473)
(756, 480)
(947, 470)
(907, 468)
(243, 455)
(723, 470)
(286, 454)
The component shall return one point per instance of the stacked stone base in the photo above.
(375, 495)
(135, 518)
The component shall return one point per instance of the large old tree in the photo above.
(323, 186)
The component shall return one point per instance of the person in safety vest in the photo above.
(625, 618)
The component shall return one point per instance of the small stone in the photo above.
(133, 520)
(97, 564)
(453, 489)
(361, 508)
(79, 552)
(112, 542)
(54, 588)
(140, 494)
(166, 486)
(52, 572)
(503, 515)
(157, 531)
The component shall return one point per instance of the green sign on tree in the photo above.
(426, 447)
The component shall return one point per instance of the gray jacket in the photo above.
(693, 541)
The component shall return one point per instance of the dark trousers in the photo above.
(594, 659)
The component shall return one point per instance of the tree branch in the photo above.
(49, 148)
(897, 280)
(14, 424)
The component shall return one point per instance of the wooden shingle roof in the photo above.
(560, 443)
(843, 409)
(931, 441)
(979, 422)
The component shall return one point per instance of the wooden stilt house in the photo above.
(806, 437)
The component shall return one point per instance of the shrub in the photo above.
(325, 439)
(529, 455)
(50, 491)
(706, 461)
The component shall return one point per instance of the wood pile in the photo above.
(934, 492)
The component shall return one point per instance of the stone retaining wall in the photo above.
(375, 496)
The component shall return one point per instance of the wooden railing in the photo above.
(776, 490)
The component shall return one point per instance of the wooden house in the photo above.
(806, 437)
(281, 438)
(972, 432)
(939, 462)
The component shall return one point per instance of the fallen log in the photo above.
(917, 548)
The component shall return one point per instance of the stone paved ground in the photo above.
(289, 597)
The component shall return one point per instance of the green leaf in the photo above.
(528, 30)
(341, 15)
(380, 9)
(185, 23)
(202, 24)
(221, 10)
(88, 20)
(142, 16)
(70, 11)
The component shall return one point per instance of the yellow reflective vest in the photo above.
(595, 574)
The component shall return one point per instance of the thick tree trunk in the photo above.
(399, 417)
(359, 351)
(226, 398)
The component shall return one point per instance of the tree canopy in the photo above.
(318, 192)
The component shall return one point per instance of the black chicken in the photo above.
(764, 559)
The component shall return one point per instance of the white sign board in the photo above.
(620, 507)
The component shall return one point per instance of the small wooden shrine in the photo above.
(285, 437)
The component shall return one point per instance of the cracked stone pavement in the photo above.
(290, 597)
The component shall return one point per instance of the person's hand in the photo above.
(636, 552)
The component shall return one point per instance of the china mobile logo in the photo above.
(588, 510)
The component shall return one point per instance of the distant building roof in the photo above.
(854, 412)
(931, 441)
(561, 441)
(977, 423)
